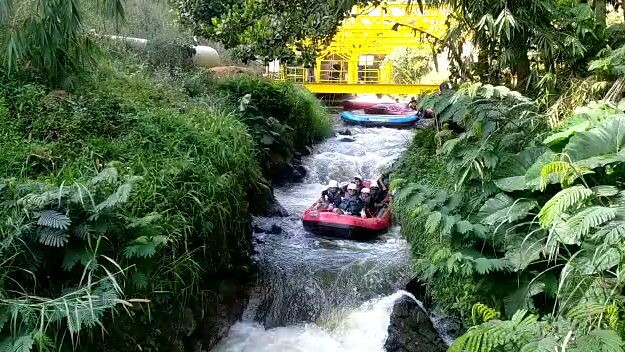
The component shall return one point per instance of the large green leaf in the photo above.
(584, 118)
(523, 252)
(533, 177)
(600, 146)
(515, 167)
(561, 202)
(596, 260)
(503, 208)
(521, 298)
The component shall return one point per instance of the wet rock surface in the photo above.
(411, 329)
(275, 210)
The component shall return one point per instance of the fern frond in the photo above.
(481, 313)
(108, 175)
(605, 191)
(116, 199)
(144, 221)
(492, 335)
(433, 221)
(612, 315)
(561, 202)
(562, 171)
(145, 247)
(612, 233)
(584, 312)
(23, 343)
(484, 265)
(54, 219)
(53, 237)
(582, 222)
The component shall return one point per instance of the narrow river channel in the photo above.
(317, 294)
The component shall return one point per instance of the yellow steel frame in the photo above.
(379, 88)
(369, 34)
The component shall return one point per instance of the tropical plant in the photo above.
(268, 29)
(540, 231)
(48, 36)
(409, 65)
(525, 332)
(282, 118)
(77, 235)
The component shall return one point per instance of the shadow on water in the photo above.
(319, 294)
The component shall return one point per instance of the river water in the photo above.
(316, 294)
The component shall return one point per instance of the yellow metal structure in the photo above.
(375, 88)
(354, 60)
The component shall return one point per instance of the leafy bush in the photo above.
(533, 221)
(184, 227)
(282, 117)
(409, 65)
(171, 53)
(51, 41)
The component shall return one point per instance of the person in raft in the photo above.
(377, 195)
(330, 197)
(351, 203)
(369, 208)
(358, 181)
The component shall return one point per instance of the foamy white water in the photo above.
(363, 330)
(318, 294)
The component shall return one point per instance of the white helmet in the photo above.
(333, 184)
(365, 190)
(352, 186)
(375, 184)
(358, 177)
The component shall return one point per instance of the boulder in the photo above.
(411, 329)
(275, 210)
(418, 289)
(275, 230)
(272, 229)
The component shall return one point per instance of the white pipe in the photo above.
(204, 56)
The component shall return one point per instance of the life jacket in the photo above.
(352, 206)
(332, 198)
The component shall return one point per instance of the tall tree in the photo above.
(513, 37)
(265, 29)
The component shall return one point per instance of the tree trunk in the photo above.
(600, 11)
(522, 69)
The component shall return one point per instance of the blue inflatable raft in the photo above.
(379, 120)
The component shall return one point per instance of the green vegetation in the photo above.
(519, 217)
(268, 29)
(409, 65)
(49, 36)
(126, 201)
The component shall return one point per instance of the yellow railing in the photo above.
(328, 71)
(331, 72)
(294, 74)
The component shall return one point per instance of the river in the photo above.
(316, 294)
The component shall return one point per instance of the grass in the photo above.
(201, 159)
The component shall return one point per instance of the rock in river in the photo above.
(411, 329)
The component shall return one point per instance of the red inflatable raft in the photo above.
(390, 109)
(326, 223)
(367, 101)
